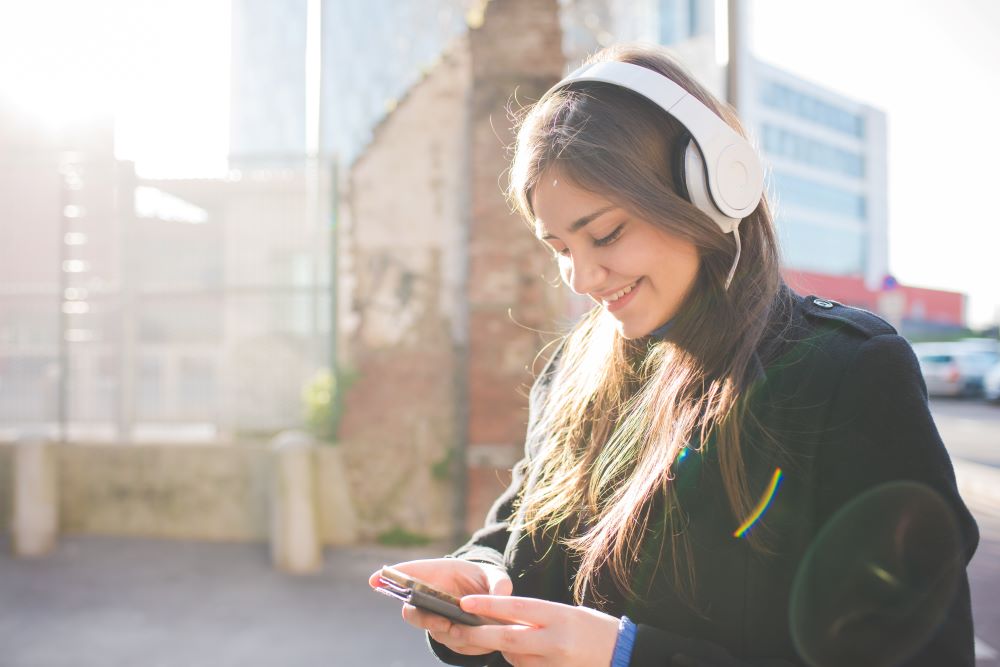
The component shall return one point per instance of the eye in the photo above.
(610, 238)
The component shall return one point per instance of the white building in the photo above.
(828, 173)
(825, 154)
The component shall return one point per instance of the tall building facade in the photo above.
(825, 154)
(827, 175)
(371, 53)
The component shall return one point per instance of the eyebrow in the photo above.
(582, 222)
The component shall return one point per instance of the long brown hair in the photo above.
(620, 412)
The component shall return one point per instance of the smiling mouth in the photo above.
(620, 293)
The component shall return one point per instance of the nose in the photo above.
(583, 273)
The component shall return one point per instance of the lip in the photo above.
(624, 301)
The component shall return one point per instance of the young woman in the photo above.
(717, 471)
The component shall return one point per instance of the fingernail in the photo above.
(470, 605)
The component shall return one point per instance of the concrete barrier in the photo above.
(35, 502)
(212, 492)
(295, 543)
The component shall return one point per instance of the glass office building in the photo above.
(827, 173)
(825, 153)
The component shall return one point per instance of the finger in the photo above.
(513, 659)
(517, 639)
(457, 645)
(521, 660)
(425, 620)
(499, 581)
(516, 609)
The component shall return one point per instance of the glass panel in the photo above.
(818, 196)
(813, 247)
(785, 99)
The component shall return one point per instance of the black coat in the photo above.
(845, 399)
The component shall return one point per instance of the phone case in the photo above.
(424, 596)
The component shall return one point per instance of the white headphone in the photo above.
(718, 170)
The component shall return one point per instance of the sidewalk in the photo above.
(979, 485)
(109, 602)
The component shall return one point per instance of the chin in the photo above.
(632, 331)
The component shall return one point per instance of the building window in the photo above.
(788, 100)
(819, 154)
(813, 247)
(805, 193)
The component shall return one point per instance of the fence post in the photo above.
(295, 542)
(35, 515)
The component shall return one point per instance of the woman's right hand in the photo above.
(458, 577)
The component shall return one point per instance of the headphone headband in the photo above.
(733, 169)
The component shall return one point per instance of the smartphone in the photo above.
(422, 595)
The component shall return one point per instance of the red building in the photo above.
(912, 310)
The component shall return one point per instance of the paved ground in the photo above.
(970, 429)
(109, 602)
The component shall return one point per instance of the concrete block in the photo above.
(295, 538)
(35, 502)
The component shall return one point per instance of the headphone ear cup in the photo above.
(678, 167)
(695, 187)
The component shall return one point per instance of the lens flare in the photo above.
(765, 502)
(878, 579)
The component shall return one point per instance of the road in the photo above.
(970, 429)
(971, 432)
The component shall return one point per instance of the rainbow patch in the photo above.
(765, 502)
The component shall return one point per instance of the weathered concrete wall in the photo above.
(402, 272)
(196, 492)
(199, 492)
(438, 282)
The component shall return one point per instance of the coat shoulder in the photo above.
(825, 337)
(858, 322)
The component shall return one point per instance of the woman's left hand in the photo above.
(547, 634)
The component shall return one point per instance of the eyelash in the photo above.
(601, 242)
(610, 238)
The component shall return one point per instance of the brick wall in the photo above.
(434, 272)
(519, 46)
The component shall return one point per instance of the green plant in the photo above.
(400, 537)
(442, 468)
(321, 405)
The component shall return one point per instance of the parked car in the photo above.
(954, 369)
(991, 384)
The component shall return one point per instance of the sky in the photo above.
(929, 64)
(161, 67)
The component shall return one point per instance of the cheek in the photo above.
(674, 272)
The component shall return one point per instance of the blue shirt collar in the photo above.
(661, 331)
